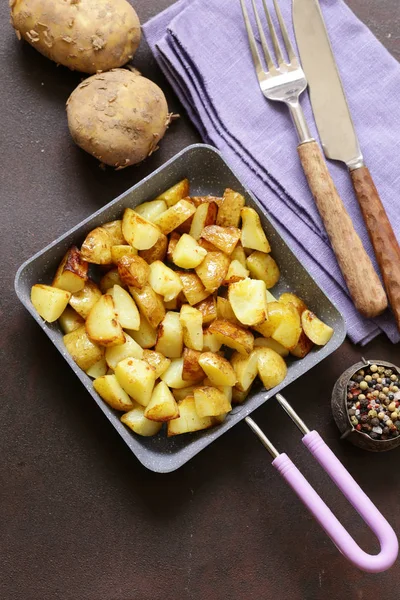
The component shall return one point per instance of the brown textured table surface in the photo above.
(81, 519)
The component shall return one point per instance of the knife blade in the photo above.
(339, 139)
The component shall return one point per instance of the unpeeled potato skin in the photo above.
(119, 117)
(84, 35)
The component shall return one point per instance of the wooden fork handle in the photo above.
(362, 281)
(387, 250)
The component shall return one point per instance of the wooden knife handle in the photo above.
(380, 231)
(362, 281)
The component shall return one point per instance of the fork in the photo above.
(285, 82)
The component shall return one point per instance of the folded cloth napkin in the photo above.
(202, 48)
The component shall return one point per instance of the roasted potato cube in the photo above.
(271, 343)
(297, 302)
(248, 301)
(170, 336)
(211, 402)
(175, 193)
(164, 281)
(232, 335)
(173, 375)
(71, 274)
(172, 242)
(224, 238)
(149, 303)
(205, 215)
(188, 419)
(114, 230)
(70, 320)
(276, 314)
(288, 331)
(98, 369)
(192, 326)
(102, 325)
(139, 232)
(197, 200)
(187, 253)
(224, 310)
(192, 371)
(157, 252)
(81, 348)
(218, 370)
(272, 368)
(156, 360)
(253, 235)
(96, 247)
(302, 347)
(193, 288)
(175, 216)
(262, 266)
(240, 255)
(212, 271)
(238, 396)
(162, 406)
(316, 330)
(181, 393)
(230, 208)
(208, 309)
(135, 420)
(245, 368)
(208, 245)
(110, 279)
(133, 271)
(236, 272)
(120, 250)
(129, 349)
(125, 308)
(137, 378)
(210, 341)
(110, 390)
(146, 335)
(151, 210)
(49, 302)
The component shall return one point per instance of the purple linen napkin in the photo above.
(201, 45)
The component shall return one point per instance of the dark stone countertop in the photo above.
(81, 519)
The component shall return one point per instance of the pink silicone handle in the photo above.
(335, 530)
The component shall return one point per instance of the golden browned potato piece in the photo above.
(72, 272)
(82, 349)
(162, 406)
(84, 35)
(102, 324)
(206, 214)
(208, 309)
(193, 288)
(84, 300)
(133, 271)
(316, 330)
(175, 193)
(188, 419)
(156, 252)
(96, 247)
(114, 230)
(232, 335)
(50, 302)
(191, 370)
(229, 209)
(298, 303)
(149, 303)
(212, 271)
(110, 279)
(70, 320)
(272, 368)
(224, 238)
(119, 117)
(302, 347)
(211, 402)
(157, 360)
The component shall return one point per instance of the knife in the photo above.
(339, 138)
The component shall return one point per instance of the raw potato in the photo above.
(129, 349)
(262, 266)
(218, 369)
(272, 368)
(188, 419)
(138, 232)
(175, 193)
(146, 335)
(98, 369)
(133, 271)
(120, 250)
(84, 300)
(232, 335)
(119, 117)
(96, 247)
(157, 252)
(135, 420)
(102, 324)
(164, 281)
(206, 214)
(170, 336)
(212, 271)
(110, 279)
(149, 303)
(192, 326)
(211, 402)
(70, 320)
(125, 308)
(84, 35)
(248, 301)
(191, 370)
(162, 406)
(187, 254)
(157, 361)
(208, 309)
(224, 238)
(49, 302)
(230, 209)
(137, 378)
(71, 274)
(110, 390)
(193, 288)
(253, 235)
(151, 210)
(175, 216)
(246, 369)
(83, 351)
(316, 330)
(236, 272)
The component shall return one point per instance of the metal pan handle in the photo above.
(352, 491)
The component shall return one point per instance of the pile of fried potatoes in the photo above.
(181, 321)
